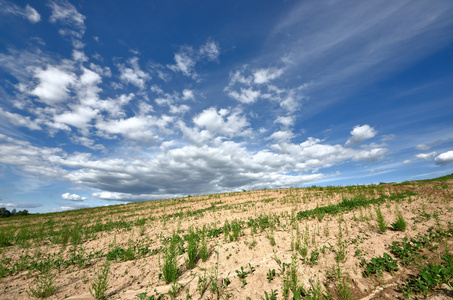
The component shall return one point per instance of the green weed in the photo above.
(101, 282)
(378, 265)
(170, 270)
(382, 225)
(44, 286)
(400, 224)
(192, 249)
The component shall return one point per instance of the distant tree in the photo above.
(4, 213)
(22, 212)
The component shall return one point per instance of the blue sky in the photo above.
(106, 102)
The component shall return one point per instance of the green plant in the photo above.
(174, 290)
(170, 270)
(382, 225)
(270, 275)
(400, 224)
(215, 289)
(313, 260)
(192, 249)
(342, 285)
(378, 265)
(243, 273)
(341, 246)
(406, 250)
(236, 227)
(316, 291)
(144, 296)
(202, 284)
(204, 251)
(101, 282)
(76, 235)
(430, 276)
(271, 296)
(44, 286)
(291, 281)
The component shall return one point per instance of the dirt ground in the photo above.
(426, 206)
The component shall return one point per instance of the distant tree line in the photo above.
(4, 213)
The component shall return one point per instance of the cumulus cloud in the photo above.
(223, 122)
(66, 13)
(184, 62)
(426, 147)
(360, 134)
(199, 168)
(53, 86)
(20, 204)
(19, 120)
(133, 74)
(265, 75)
(28, 12)
(188, 57)
(285, 121)
(73, 197)
(282, 136)
(72, 206)
(444, 158)
(73, 22)
(246, 96)
(137, 128)
(425, 156)
(423, 147)
(110, 196)
(247, 85)
(210, 50)
(80, 117)
(187, 94)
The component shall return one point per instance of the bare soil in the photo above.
(429, 206)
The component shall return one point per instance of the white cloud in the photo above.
(187, 94)
(89, 143)
(423, 147)
(67, 14)
(79, 56)
(285, 121)
(138, 128)
(214, 122)
(20, 204)
(246, 96)
(28, 12)
(53, 86)
(360, 134)
(31, 14)
(210, 50)
(444, 158)
(184, 62)
(198, 168)
(31, 159)
(282, 136)
(133, 74)
(110, 196)
(265, 75)
(73, 197)
(247, 86)
(187, 58)
(19, 120)
(425, 156)
(72, 206)
(80, 117)
(179, 109)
